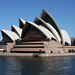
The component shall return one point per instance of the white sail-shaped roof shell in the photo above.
(43, 30)
(50, 19)
(47, 32)
(54, 32)
(66, 37)
(11, 34)
(49, 27)
(18, 30)
(21, 23)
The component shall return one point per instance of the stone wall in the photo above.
(3, 47)
(7, 46)
(49, 47)
(53, 47)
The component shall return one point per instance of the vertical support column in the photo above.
(9, 46)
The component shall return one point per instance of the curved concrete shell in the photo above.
(54, 32)
(49, 19)
(41, 29)
(13, 36)
(17, 30)
(21, 23)
(47, 32)
(66, 37)
(41, 22)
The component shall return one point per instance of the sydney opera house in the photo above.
(42, 35)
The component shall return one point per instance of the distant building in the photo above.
(73, 41)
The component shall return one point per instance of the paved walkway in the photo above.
(36, 54)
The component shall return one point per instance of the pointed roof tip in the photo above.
(35, 18)
(28, 22)
(2, 29)
(38, 18)
(12, 25)
(20, 18)
(43, 10)
(23, 21)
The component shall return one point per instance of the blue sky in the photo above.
(63, 11)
